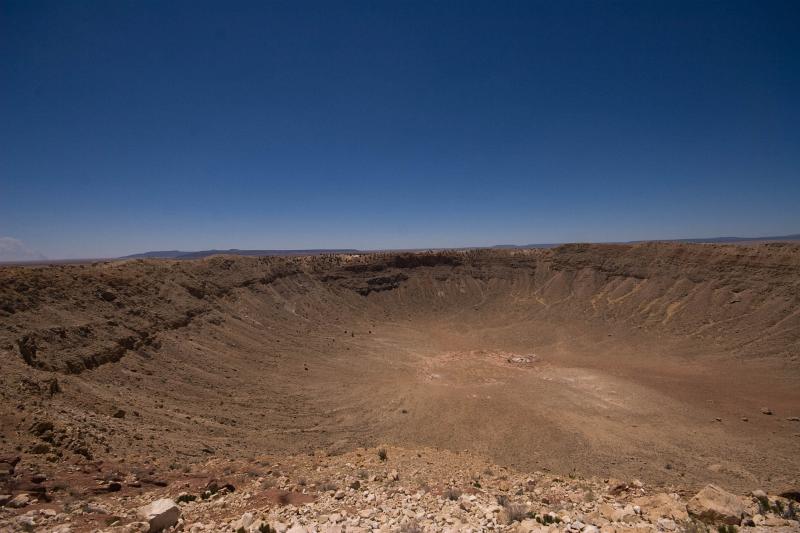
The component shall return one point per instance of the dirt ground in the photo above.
(648, 361)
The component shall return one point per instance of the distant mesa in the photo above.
(178, 254)
(709, 240)
(723, 240)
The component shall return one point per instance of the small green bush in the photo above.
(778, 507)
(763, 505)
(547, 520)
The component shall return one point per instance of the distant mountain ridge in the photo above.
(723, 240)
(709, 240)
(179, 254)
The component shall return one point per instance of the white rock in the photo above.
(713, 504)
(160, 514)
(244, 522)
(667, 524)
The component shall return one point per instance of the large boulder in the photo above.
(714, 505)
(160, 514)
(662, 506)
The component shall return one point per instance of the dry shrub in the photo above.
(326, 486)
(411, 526)
(452, 493)
(515, 512)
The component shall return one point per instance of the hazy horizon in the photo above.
(12, 250)
(137, 126)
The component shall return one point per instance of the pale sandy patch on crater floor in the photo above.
(475, 367)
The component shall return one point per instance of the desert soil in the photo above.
(674, 364)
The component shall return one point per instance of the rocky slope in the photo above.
(391, 490)
(678, 365)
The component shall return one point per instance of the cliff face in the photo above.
(743, 300)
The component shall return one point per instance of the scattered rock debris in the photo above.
(411, 490)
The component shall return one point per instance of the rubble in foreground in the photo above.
(390, 490)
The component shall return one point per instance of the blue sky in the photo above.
(138, 125)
